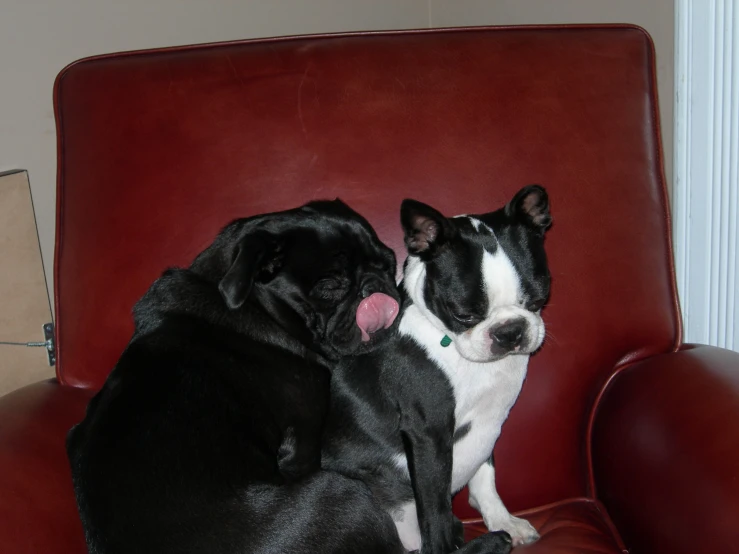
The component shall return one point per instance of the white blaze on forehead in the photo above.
(502, 283)
(476, 223)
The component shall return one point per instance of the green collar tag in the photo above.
(446, 341)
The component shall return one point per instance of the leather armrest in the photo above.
(38, 512)
(665, 452)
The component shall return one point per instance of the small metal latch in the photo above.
(50, 346)
(48, 343)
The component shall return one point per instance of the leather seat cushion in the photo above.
(576, 526)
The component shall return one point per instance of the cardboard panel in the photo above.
(24, 300)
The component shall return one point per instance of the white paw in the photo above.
(520, 530)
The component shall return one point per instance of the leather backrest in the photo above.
(159, 149)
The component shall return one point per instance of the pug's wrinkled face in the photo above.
(320, 271)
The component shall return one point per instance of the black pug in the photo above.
(206, 435)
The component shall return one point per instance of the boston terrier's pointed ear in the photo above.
(256, 255)
(531, 204)
(424, 227)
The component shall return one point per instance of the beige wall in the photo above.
(39, 37)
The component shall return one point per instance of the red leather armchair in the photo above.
(623, 438)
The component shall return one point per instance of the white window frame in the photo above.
(705, 194)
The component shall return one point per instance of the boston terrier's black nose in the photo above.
(509, 335)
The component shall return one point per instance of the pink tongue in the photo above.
(377, 311)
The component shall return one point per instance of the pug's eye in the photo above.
(535, 305)
(330, 288)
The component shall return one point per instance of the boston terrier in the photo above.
(417, 418)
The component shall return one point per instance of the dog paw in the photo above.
(295, 458)
(520, 530)
(498, 542)
(458, 528)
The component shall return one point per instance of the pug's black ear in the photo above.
(257, 255)
(425, 229)
(531, 204)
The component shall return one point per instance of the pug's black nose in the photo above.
(509, 335)
(372, 284)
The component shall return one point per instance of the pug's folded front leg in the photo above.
(299, 454)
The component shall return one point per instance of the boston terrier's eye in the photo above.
(535, 305)
(467, 319)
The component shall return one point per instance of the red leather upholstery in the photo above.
(666, 452)
(159, 149)
(38, 512)
(576, 526)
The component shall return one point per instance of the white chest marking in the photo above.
(483, 393)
